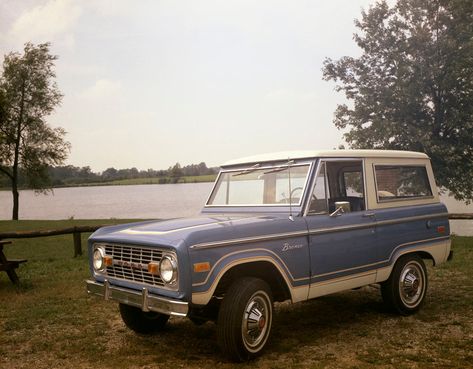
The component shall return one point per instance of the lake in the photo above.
(144, 202)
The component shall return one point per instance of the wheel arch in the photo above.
(423, 255)
(436, 252)
(264, 268)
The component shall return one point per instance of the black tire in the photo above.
(142, 322)
(404, 292)
(241, 337)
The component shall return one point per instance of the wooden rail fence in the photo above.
(75, 231)
(78, 230)
(457, 216)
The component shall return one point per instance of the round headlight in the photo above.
(168, 269)
(99, 254)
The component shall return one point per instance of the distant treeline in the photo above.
(70, 175)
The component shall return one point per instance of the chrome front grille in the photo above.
(131, 263)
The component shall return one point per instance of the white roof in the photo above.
(284, 155)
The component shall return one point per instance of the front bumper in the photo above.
(143, 300)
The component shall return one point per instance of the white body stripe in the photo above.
(438, 249)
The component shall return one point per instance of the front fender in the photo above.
(203, 291)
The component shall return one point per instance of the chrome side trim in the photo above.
(207, 245)
(313, 232)
(142, 300)
(348, 269)
(413, 218)
(277, 236)
(376, 224)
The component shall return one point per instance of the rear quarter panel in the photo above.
(409, 225)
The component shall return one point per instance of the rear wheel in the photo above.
(245, 318)
(142, 322)
(405, 290)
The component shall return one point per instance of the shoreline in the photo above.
(130, 182)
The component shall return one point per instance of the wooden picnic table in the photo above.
(10, 265)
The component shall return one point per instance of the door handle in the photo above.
(369, 215)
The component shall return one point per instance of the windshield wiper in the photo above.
(249, 170)
(280, 168)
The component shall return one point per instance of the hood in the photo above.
(176, 232)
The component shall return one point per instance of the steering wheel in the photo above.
(294, 190)
(285, 200)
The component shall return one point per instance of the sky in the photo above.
(150, 83)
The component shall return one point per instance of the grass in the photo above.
(50, 322)
(159, 180)
(152, 180)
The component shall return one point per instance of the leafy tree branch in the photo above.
(412, 87)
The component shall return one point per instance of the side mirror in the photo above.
(340, 208)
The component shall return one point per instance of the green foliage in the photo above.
(70, 175)
(412, 87)
(28, 94)
(175, 172)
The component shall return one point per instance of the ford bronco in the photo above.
(286, 226)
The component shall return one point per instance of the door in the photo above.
(342, 244)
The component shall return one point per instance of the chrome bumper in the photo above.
(143, 300)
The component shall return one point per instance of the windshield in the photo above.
(260, 186)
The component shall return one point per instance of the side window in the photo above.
(338, 181)
(401, 182)
(318, 201)
(345, 178)
(353, 183)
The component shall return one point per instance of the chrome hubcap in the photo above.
(411, 284)
(256, 321)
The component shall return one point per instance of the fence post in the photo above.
(77, 244)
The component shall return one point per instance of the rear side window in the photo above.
(401, 182)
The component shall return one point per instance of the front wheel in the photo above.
(142, 322)
(245, 318)
(406, 287)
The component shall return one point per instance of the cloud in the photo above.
(102, 89)
(53, 20)
(284, 94)
(111, 8)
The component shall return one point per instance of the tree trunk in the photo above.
(16, 198)
(16, 160)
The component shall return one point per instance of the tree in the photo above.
(412, 87)
(175, 172)
(109, 174)
(28, 94)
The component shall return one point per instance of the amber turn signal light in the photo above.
(107, 260)
(153, 268)
(201, 267)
